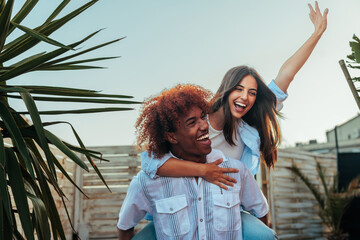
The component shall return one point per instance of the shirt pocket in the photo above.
(227, 211)
(173, 215)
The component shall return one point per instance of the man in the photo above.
(186, 207)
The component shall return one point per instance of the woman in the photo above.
(242, 122)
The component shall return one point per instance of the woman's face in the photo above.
(243, 97)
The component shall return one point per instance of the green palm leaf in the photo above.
(5, 22)
(78, 100)
(62, 147)
(22, 13)
(62, 67)
(33, 63)
(333, 204)
(24, 173)
(81, 52)
(56, 227)
(25, 42)
(24, 61)
(60, 91)
(16, 136)
(81, 111)
(56, 12)
(30, 105)
(17, 185)
(42, 224)
(40, 36)
(5, 197)
(310, 185)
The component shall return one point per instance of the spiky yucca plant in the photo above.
(24, 173)
(332, 203)
(354, 63)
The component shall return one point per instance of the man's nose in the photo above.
(204, 124)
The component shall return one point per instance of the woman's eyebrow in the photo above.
(239, 85)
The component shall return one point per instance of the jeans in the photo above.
(252, 229)
(147, 233)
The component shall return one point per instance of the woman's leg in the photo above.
(254, 229)
(147, 233)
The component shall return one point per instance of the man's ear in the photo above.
(170, 136)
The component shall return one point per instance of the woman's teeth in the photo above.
(240, 104)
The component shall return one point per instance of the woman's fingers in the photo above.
(312, 11)
(230, 179)
(319, 20)
(326, 12)
(230, 170)
(317, 7)
(217, 162)
(221, 185)
(226, 182)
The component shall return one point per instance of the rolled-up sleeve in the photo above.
(134, 207)
(280, 95)
(150, 164)
(252, 199)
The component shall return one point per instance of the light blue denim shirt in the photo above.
(249, 135)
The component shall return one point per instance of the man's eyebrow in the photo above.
(189, 119)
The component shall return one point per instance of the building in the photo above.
(348, 139)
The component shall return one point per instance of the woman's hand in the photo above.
(319, 20)
(289, 69)
(216, 175)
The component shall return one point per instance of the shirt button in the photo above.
(171, 209)
(201, 220)
(199, 198)
(228, 204)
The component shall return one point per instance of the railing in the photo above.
(293, 208)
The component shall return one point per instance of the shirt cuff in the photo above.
(123, 227)
(150, 165)
(280, 95)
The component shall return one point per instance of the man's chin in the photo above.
(207, 151)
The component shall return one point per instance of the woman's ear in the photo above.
(170, 136)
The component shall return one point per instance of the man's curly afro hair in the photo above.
(161, 114)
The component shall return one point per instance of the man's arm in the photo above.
(265, 220)
(289, 69)
(133, 209)
(251, 197)
(125, 234)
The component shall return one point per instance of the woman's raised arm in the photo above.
(289, 69)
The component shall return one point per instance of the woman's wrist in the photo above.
(318, 32)
(202, 170)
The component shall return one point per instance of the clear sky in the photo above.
(170, 42)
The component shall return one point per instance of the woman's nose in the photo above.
(244, 95)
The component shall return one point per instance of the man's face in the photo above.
(191, 139)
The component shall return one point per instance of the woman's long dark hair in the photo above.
(262, 115)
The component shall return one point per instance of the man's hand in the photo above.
(216, 175)
(125, 234)
(265, 220)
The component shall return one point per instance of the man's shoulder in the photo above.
(141, 177)
(216, 154)
(144, 182)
